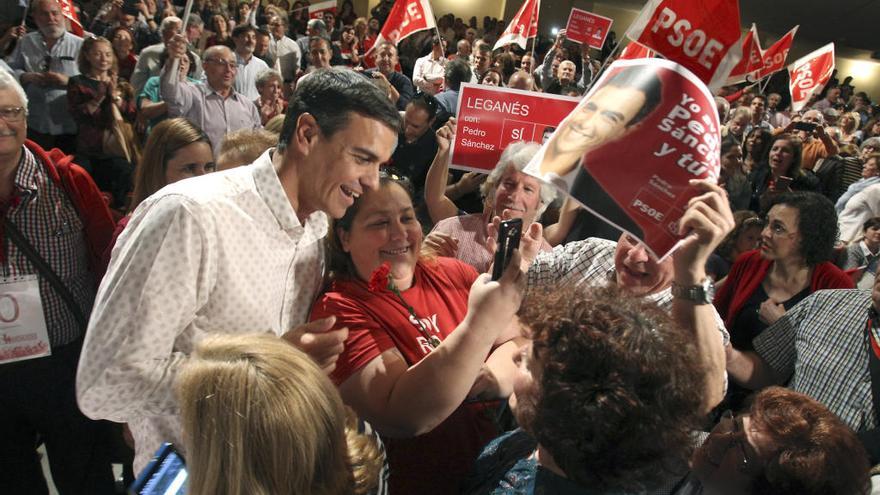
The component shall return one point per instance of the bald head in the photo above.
(521, 80)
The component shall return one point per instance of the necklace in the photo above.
(381, 280)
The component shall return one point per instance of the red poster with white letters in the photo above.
(490, 118)
(702, 36)
(629, 149)
(587, 27)
(809, 75)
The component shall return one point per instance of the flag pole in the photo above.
(535, 39)
(27, 6)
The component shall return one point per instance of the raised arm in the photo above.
(706, 222)
(439, 205)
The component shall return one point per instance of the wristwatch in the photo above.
(703, 293)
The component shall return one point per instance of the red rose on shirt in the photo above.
(379, 278)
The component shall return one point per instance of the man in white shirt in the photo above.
(283, 50)
(428, 71)
(235, 251)
(249, 66)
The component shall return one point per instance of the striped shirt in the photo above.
(821, 346)
(48, 219)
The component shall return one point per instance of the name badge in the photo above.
(23, 332)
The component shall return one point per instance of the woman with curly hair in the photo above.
(604, 396)
(786, 443)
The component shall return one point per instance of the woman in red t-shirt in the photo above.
(430, 342)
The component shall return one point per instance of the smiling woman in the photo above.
(414, 364)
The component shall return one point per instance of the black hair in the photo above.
(427, 103)
(817, 223)
(457, 72)
(243, 28)
(872, 222)
(642, 79)
(322, 39)
(331, 96)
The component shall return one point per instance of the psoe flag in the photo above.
(316, 10)
(634, 51)
(751, 59)
(809, 74)
(407, 17)
(523, 26)
(773, 59)
(703, 36)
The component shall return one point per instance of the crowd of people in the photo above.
(244, 238)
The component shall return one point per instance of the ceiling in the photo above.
(853, 24)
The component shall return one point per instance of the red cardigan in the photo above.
(86, 199)
(749, 271)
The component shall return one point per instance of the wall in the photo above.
(461, 8)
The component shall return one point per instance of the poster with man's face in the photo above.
(629, 148)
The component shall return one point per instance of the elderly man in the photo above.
(249, 66)
(462, 50)
(284, 50)
(43, 61)
(216, 107)
(861, 201)
(57, 227)
(398, 87)
(776, 115)
(817, 144)
(429, 70)
(148, 64)
(236, 251)
(521, 80)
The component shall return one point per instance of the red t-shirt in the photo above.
(437, 461)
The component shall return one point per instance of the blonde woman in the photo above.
(260, 417)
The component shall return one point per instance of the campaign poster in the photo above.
(587, 27)
(490, 118)
(628, 150)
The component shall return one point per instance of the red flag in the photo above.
(701, 36)
(774, 57)
(68, 12)
(809, 75)
(407, 17)
(523, 26)
(634, 50)
(751, 59)
(316, 10)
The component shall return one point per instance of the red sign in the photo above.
(490, 118)
(629, 149)
(523, 26)
(69, 12)
(316, 10)
(407, 17)
(774, 57)
(809, 75)
(751, 59)
(634, 50)
(698, 35)
(587, 27)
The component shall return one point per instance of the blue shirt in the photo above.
(47, 106)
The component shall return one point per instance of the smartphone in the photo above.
(165, 475)
(782, 183)
(508, 241)
(805, 126)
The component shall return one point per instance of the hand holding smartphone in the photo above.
(509, 234)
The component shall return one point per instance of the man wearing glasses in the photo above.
(43, 61)
(285, 51)
(214, 106)
(56, 227)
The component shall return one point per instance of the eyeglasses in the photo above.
(731, 427)
(776, 228)
(13, 114)
(230, 65)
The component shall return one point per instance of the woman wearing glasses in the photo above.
(429, 346)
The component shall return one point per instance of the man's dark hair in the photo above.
(871, 222)
(242, 29)
(761, 97)
(457, 72)
(643, 79)
(331, 96)
(817, 223)
(485, 48)
(323, 40)
(427, 103)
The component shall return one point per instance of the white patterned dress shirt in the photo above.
(221, 253)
